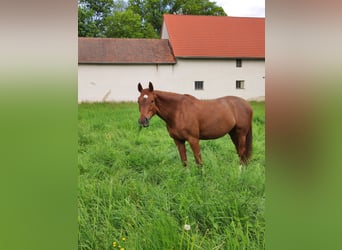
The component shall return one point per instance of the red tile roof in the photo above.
(216, 36)
(124, 51)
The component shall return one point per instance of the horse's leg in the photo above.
(242, 149)
(194, 143)
(239, 139)
(235, 139)
(182, 151)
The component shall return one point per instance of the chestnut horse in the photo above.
(190, 119)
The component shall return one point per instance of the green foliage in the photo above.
(152, 10)
(127, 24)
(91, 14)
(132, 185)
(135, 18)
(100, 8)
(86, 25)
(197, 7)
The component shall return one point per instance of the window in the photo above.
(198, 85)
(238, 63)
(240, 84)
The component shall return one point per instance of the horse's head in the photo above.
(147, 106)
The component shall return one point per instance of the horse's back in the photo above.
(232, 105)
(240, 108)
(227, 105)
(237, 102)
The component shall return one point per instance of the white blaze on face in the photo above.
(145, 96)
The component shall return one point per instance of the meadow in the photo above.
(134, 193)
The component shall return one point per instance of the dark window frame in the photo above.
(199, 85)
(240, 84)
(239, 63)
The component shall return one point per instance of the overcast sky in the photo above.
(243, 8)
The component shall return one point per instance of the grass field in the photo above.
(135, 194)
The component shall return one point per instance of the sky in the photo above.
(243, 8)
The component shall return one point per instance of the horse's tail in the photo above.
(249, 138)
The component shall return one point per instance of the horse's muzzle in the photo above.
(144, 122)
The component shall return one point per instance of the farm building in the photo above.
(205, 56)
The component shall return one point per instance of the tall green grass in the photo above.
(134, 191)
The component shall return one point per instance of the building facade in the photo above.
(204, 56)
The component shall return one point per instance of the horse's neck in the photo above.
(167, 103)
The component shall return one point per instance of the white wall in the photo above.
(219, 78)
(164, 32)
(116, 82)
(119, 82)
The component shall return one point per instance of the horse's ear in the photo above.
(140, 88)
(150, 86)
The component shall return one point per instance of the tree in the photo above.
(86, 25)
(135, 18)
(152, 10)
(128, 24)
(197, 7)
(91, 14)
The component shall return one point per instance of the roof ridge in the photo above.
(117, 38)
(183, 15)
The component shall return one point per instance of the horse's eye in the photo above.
(152, 101)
